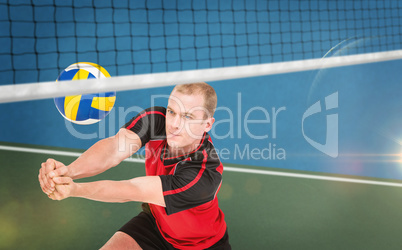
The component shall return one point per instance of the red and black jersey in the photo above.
(192, 217)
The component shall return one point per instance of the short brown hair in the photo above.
(200, 88)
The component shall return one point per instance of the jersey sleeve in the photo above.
(148, 124)
(191, 185)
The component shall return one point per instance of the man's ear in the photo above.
(210, 122)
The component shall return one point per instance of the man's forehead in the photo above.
(186, 101)
(191, 104)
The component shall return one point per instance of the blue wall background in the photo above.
(369, 125)
(367, 103)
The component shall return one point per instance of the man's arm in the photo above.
(144, 189)
(105, 154)
(102, 156)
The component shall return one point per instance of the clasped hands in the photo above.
(55, 181)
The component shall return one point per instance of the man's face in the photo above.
(185, 121)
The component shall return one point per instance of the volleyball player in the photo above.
(183, 175)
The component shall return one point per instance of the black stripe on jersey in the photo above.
(149, 124)
(180, 196)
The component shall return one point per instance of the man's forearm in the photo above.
(105, 191)
(143, 189)
(97, 159)
(105, 154)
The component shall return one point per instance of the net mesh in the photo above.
(40, 38)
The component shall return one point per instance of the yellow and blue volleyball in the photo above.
(88, 108)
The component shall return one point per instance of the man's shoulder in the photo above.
(210, 149)
(206, 155)
(155, 110)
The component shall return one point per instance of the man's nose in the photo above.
(176, 121)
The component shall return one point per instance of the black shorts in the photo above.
(143, 229)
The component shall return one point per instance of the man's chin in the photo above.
(173, 144)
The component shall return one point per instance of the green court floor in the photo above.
(262, 211)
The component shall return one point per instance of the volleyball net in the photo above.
(145, 44)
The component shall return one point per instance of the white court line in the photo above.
(316, 177)
(230, 169)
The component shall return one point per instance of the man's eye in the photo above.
(170, 112)
(187, 117)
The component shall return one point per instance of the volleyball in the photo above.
(87, 108)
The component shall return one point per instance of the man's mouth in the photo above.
(173, 134)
